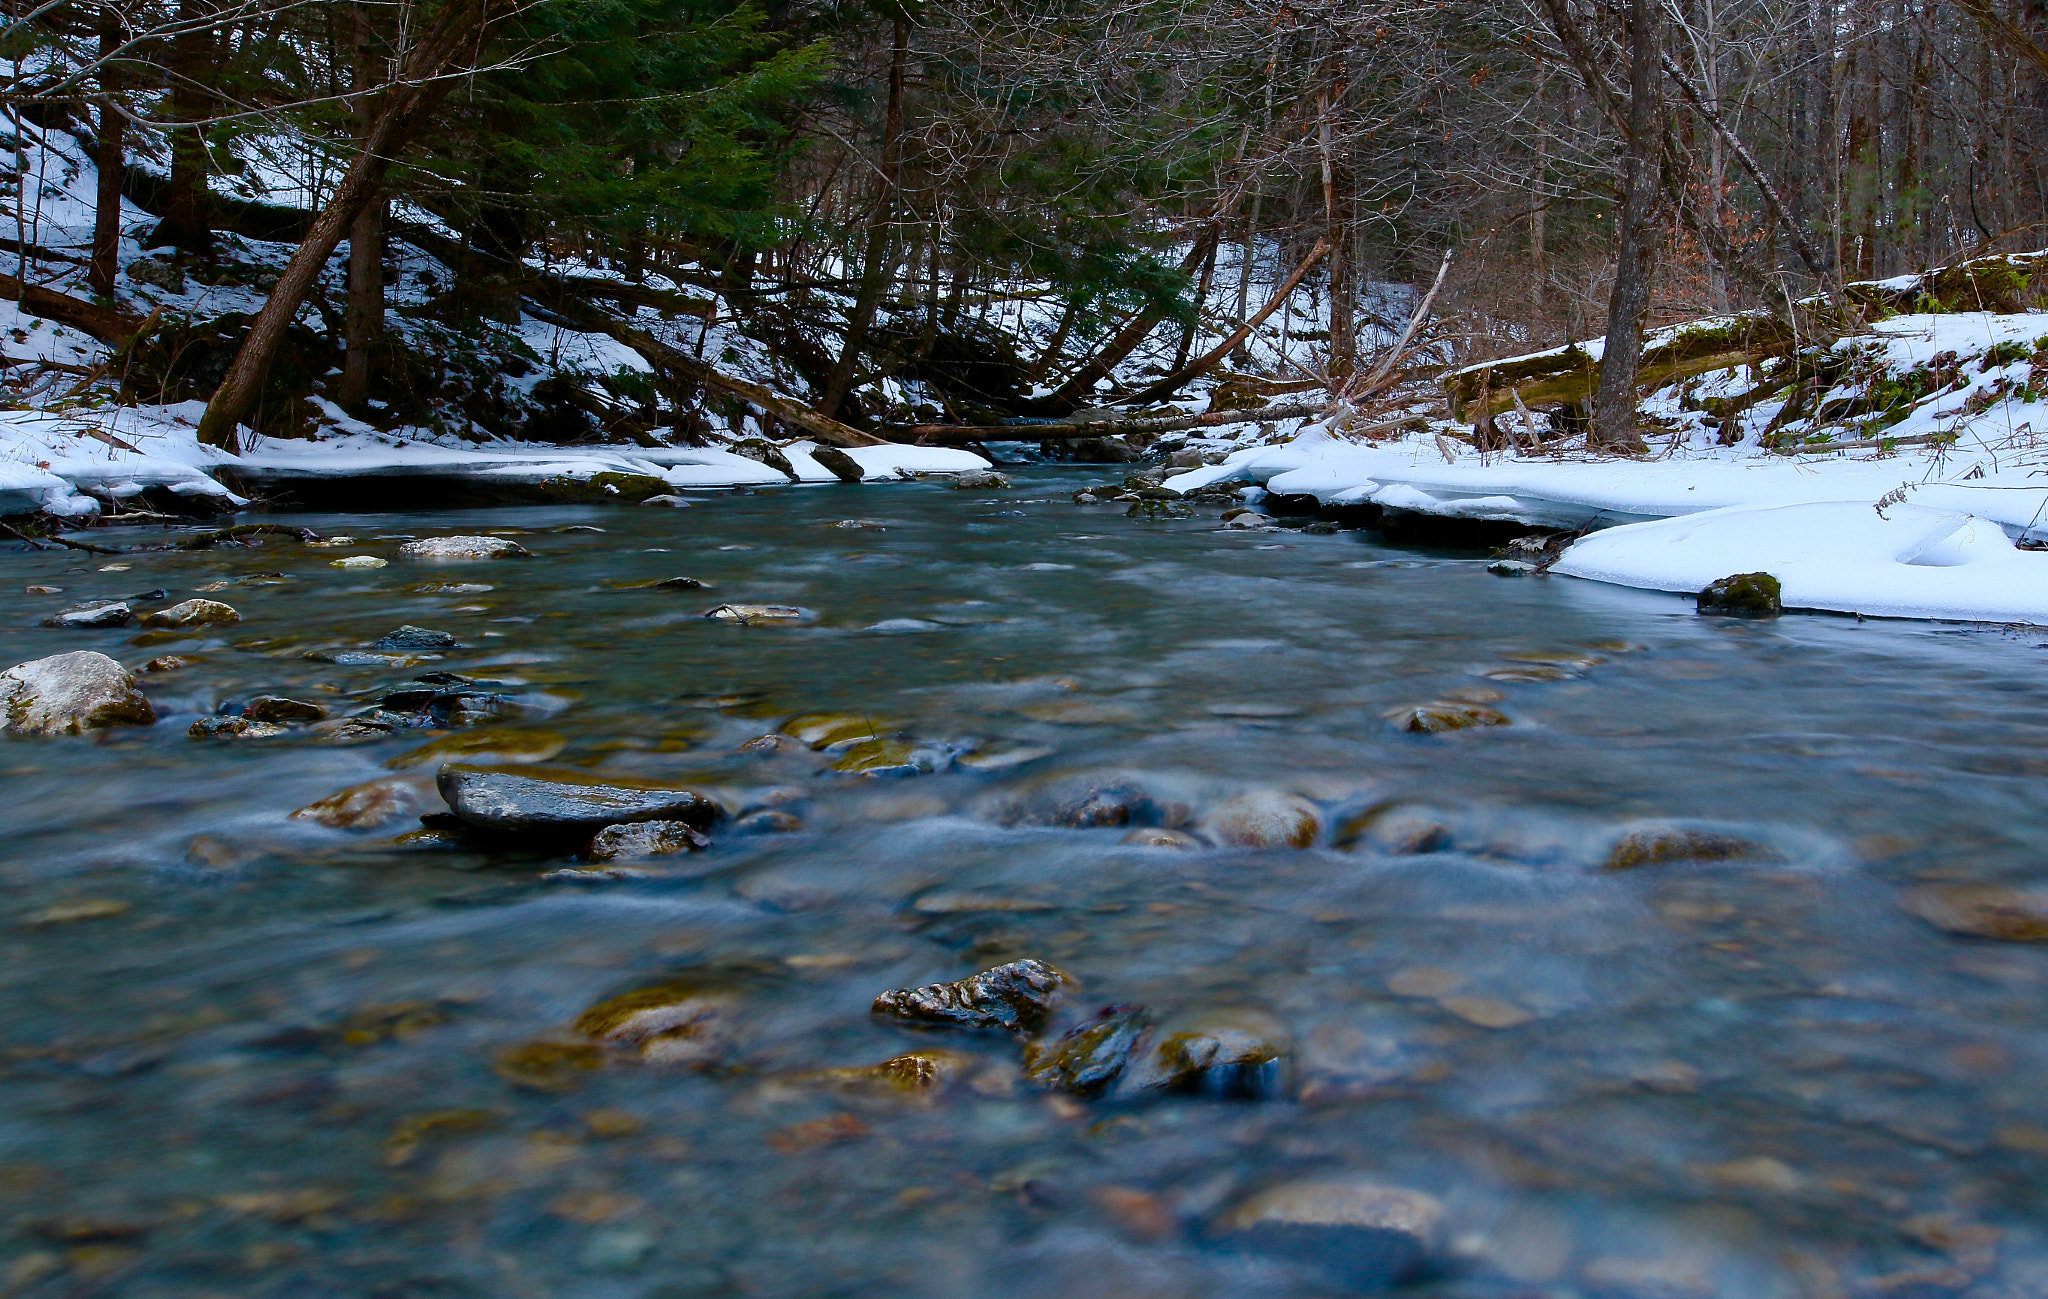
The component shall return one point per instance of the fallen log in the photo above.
(107, 324)
(964, 434)
(1566, 376)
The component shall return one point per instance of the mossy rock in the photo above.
(603, 489)
(1743, 595)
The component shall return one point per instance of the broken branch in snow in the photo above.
(965, 434)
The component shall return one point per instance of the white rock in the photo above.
(69, 694)
(357, 561)
(464, 548)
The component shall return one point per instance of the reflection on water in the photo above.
(1622, 990)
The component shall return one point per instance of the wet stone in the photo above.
(757, 615)
(1017, 997)
(1233, 1054)
(1744, 595)
(464, 548)
(1264, 818)
(410, 637)
(192, 613)
(1086, 803)
(166, 663)
(1445, 715)
(1087, 1059)
(824, 730)
(769, 820)
(1156, 509)
(95, 613)
(1161, 837)
(277, 708)
(885, 757)
(2001, 912)
(362, 807)
(358, 561)
(1367, 1236)
(680, 584)
(1657, 846)
(70, 694)
(233, 728)
(1396, 829)
(563, 803)
(678, 1022)
(640, 840)
(839, 464)
(548, 1066)
(979, 480)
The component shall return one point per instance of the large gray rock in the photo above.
(70, 694)
(93, 613)
(464, 548)
(841, 465)
(763, 452)
(563, 804)
(192, 613)
(1018, 997)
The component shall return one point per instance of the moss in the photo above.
(1655, 847)
(603, 489)
(1744, 595)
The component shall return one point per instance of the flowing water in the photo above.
(245, 1054)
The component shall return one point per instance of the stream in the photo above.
(243, 1053)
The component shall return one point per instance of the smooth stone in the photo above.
(1003, 758)
(1743, 595)
(563, 803)
(755, 615)
(839, 464)
(769, 820)
(639, 840)
(823, 730)
(1017, 997)
(1085, 802)
(979, 480)
(192, 613)
(878, 758)
(1237, 1054)
(679, 1022)
(1160, 837)
(669, 499)
(358, 561)
(1153, 509)
(277, 708)
(1370, 1236)
(410, 637)
(464, 548)
(1396, 829)
(2004, 912)
(1657, 846)
(166, 663)
(232, 728)
(1249, 519)
(680, 584)
(70, 694)
(1087, 1059)
(1264, 818)
(96, 613)
(1444, 715)
(362, 807)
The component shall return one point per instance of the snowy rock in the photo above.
(464, 548)
(643, 839)
(1018, 997)
(192, 613)
(165, 275)
(1264, 818)
(564, 803)
(1743, 595)
(1247, 519)
(1368, 1235)
(1512, 568)
(70, 694)
(97, 613)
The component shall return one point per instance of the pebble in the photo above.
(70, 694)
(640, 840)
(96, 613)
(1370, 1236)
(1264, 818)
(1236, 1054)
(769, 820)
(358, 561)
(464, 548)
(166, 663)
(362, 807)
(1017, 997)
(192, 613)
(1444, 715)
(1486, 1012)
(564, 803)
(2002, 912)
(1395, 829)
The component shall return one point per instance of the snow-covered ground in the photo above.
(1927, 530)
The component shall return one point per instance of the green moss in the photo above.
(1744, 595)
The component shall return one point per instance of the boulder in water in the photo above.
(192, 613)
(1264, 818)
(362, 807)
(1368, 1236)
(639, 840)
(562, 804)
(70, 694)
(979, 480)
(1087, 1059)
(758, 615)
(1445, 715)
(277, 708)
(410, 637)
(1017, 997)
(232, 728)
(93, 613)
(1237, 1054)
(1743, 595)
(1670, 844)
(464, 548)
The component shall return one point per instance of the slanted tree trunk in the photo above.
(109, 159)
(881, 236)
(364, 319)
(1343, 292)
(1636, 244)
(187, 223)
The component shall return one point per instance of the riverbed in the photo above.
(246, 1053)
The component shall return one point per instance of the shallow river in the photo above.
(244, 1054)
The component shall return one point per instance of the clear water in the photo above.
(267, 1067)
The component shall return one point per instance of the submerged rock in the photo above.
(362, 807)
(679, 584)
(1156, 509)
(669, 499)
(93, 613)
(680, 1022)
(192, 613)
(1744, 595)
(824, 730)
(1265, 818)
(886, 757)
(358, 561)
(979, 480)
(1397, 829)
(1087, 1059)
(1235, 1054)
(70, 694)
(1017, 997)
(564, 803)
(464, 548)
(639, 840)
(1656, 846)
(1445, 715)
(233, 728)
(755, 615)
(410, 637)
(1161, 837)
(768, 820)
(1368, 1236)
(277, 708)
(2004, 912)
(1085, 802)
(839, 464)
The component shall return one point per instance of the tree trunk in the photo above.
(187, 222)
(1343, 293)
(881, 240)
(1614, 402)
(365, 316)
(109, 159)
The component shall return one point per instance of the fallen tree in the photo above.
(107, 324)
(1567, 376)
(962, 434)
